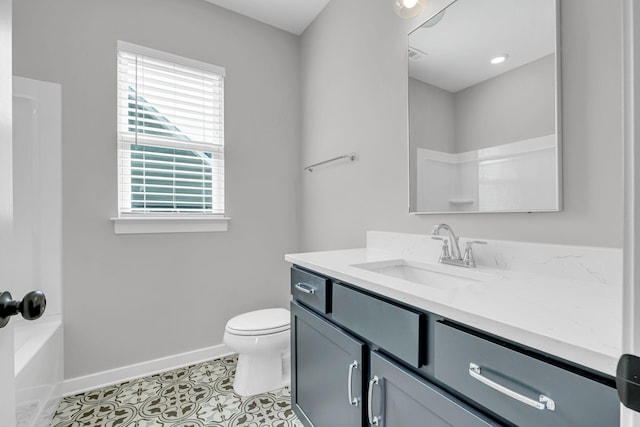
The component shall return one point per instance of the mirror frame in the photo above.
(558, 125)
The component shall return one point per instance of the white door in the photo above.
(7, 391)
(631, 309)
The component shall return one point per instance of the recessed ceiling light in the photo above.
(500, 59)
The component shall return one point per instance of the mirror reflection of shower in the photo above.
(483, 108)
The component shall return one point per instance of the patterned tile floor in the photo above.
(196, 396)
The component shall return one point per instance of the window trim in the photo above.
(145, 223)
(158, 54)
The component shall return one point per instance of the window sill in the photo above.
(151, 225)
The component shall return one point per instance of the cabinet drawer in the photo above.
(508, 383)
(395, 329)
(313, 290)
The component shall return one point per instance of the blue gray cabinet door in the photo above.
(324, 362)
(401, 399)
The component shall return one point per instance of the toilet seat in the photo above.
(260, 322)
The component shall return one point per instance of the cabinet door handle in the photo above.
(353, 401)
(303, 287)
(542, 403)
(374, 421)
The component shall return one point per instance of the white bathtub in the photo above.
(38, 370)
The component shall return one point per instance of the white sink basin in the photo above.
(438, 276)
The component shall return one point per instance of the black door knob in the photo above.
(31, 307)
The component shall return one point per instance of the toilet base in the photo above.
(261, 373)
(262, 339)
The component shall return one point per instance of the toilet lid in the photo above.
(260, 322)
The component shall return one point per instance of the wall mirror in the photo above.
(484, 111)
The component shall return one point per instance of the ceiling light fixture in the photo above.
(408, 8)
(434, 20)
(500, 59)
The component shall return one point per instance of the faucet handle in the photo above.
(468, 259)
(445, 247)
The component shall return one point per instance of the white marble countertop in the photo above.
(575, 319)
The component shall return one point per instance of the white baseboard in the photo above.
(85, 383)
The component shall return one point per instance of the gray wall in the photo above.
(123, 305)
(361, 45)
(514, 106)
(431, 124)
(131, 298)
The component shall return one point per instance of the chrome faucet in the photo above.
(455, 249)
(455, 257)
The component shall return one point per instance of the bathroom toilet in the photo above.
(262, 340)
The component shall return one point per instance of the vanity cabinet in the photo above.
(398, 330)
(326, 374)
(522, 389)
(311, 289)
(398, 398)
(362, 359)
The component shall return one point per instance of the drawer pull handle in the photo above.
(353, 401)
(374, 421)
(307, 289)
(542, 403)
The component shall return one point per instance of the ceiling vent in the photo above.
(416, 54)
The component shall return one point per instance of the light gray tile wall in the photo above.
(354, 82)
(132, 298)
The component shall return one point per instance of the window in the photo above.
(170, 137)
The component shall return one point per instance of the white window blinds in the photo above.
(170, 134)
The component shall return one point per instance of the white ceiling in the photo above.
(525, 29)
(472, 32)
(293, 16)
